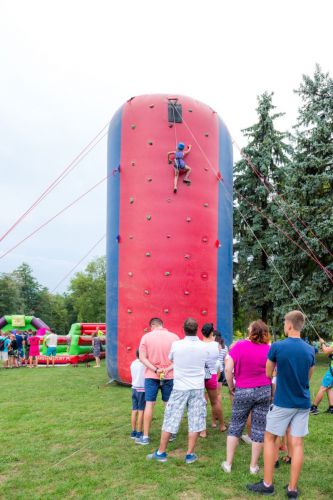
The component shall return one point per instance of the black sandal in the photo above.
(187, 181)
(287, 460)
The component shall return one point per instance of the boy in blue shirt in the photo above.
(4, 344)
(289, 414)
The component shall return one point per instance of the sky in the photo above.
(66, 66)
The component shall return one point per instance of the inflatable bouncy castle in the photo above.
(22, 323)
(169, 254)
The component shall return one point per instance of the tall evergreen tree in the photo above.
(10, 297)
(29, 288)
(309, 193)
(267, 151)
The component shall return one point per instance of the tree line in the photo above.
(283, 228)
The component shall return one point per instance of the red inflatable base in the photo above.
(68, 359)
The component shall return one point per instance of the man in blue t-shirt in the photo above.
(4, 343)
(294, 360)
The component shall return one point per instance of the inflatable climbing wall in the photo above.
(168, 255)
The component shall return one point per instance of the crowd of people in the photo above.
(268, 386)
(22, 348)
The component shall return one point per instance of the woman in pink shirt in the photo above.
(252, 391)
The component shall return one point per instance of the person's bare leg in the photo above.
(30, 361)
(216, 408)
(188, 171)
(165, 436)
(248, 425)
(296, 445)
(140, 421)
(269, 457)
(256, 451)
(192, 439)
(53, 360)
(330, 396)
(320, 395)
(232, 443)
(36, 361)
(133, 419)
(47, 360)
(148, 417)
(175, 180)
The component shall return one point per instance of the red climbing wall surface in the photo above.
(168, 243)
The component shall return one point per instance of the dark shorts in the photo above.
(151, 388)
(138, 400)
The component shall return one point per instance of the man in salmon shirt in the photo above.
(154, 352)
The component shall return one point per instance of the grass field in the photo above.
(65, 434)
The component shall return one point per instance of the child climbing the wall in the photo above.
(179, 164)
(138, 396)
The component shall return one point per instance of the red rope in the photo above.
(86, 150)
(54, 217)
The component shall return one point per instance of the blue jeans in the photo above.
(151, 389)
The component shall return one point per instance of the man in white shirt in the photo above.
(189, 357)
(51, 342)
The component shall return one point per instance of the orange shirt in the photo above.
(156, 346)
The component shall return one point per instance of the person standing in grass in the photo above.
(4, 343)
(189, 357)
(294, 360)
(34, 351)
(51, 342)
(154, 354)
(138, 396)
(252, 392)
(97, 346)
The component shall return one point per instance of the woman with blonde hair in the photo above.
(252, 391)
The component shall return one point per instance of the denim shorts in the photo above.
(138, 400)
(151, 389)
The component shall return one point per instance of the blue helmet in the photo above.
(181, 146)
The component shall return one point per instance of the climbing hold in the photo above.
(148, 217)
(133, 163)
(190, 110)
(131, 200)
(188, 219)
(168, 236)
(205, 205)
(148, 254)
(206, 134)
(167, 273)
(169, 200)
(145, 330)
(204, 276)
(204, 312)
(206, 169)
(128, 348)
(130, 237)
(151, 106)
(150, 143)
(166, 311)
(170, 125)
(129, 311)
(147, 292)
(149, 179)
(204, 239)
(186, 292)
(130, 274)
(187, 256)
(133, 126)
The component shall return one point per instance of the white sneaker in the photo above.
(246, 438)
(254, 470)
(226, 467)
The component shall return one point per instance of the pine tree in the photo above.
(267, 151)
(309, 193)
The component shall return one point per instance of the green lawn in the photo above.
(65, 434)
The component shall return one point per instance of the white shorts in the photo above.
(3, 356)
(279, 419)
